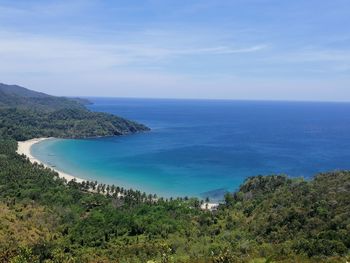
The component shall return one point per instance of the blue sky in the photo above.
(222, 49)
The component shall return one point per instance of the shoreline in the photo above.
(24, 147)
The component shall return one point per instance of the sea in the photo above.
(205, 148)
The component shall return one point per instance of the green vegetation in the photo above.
(18, 97)
(23, 124)
(269, 219)
(26, 114)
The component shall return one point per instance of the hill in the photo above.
(269, 219)
(16, 90)
(44, 218)
(25, 114)
(20, 97)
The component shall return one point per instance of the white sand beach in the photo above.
(210, 206)
(24, 148)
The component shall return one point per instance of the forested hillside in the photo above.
(23, 124)
(270, 219)
(19, 97)
(46, 219)
(25, 114)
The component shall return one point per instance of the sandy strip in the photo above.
(209, 206)
(24, 148)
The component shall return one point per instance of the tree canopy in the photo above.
(44, 218)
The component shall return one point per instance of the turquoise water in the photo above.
(205, 148)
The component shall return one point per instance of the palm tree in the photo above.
(113, 188)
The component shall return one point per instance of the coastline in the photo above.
(25, 148)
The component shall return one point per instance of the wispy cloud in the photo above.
(62, 54)
(176, 46)
(219, 50)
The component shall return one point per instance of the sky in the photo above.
(206, 49)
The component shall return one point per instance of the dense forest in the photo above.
(23, 124)
(14, 96)
(25, 114)
(268, 219)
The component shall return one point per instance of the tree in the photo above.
(229, 200)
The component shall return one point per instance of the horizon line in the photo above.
(212, 99)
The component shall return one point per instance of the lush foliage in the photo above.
(65, 123)
(46, 219)
(272, 218)
(19, 97)
(25, 114)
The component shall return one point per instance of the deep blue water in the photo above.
(199, 146)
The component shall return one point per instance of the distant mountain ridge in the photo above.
(25, 114)
(17, 96)
(21, 91)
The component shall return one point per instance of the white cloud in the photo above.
(44, 54)
(58, 46)
(65, 66)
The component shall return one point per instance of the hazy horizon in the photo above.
(238, 50)
(188, 98)
(210, 99)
